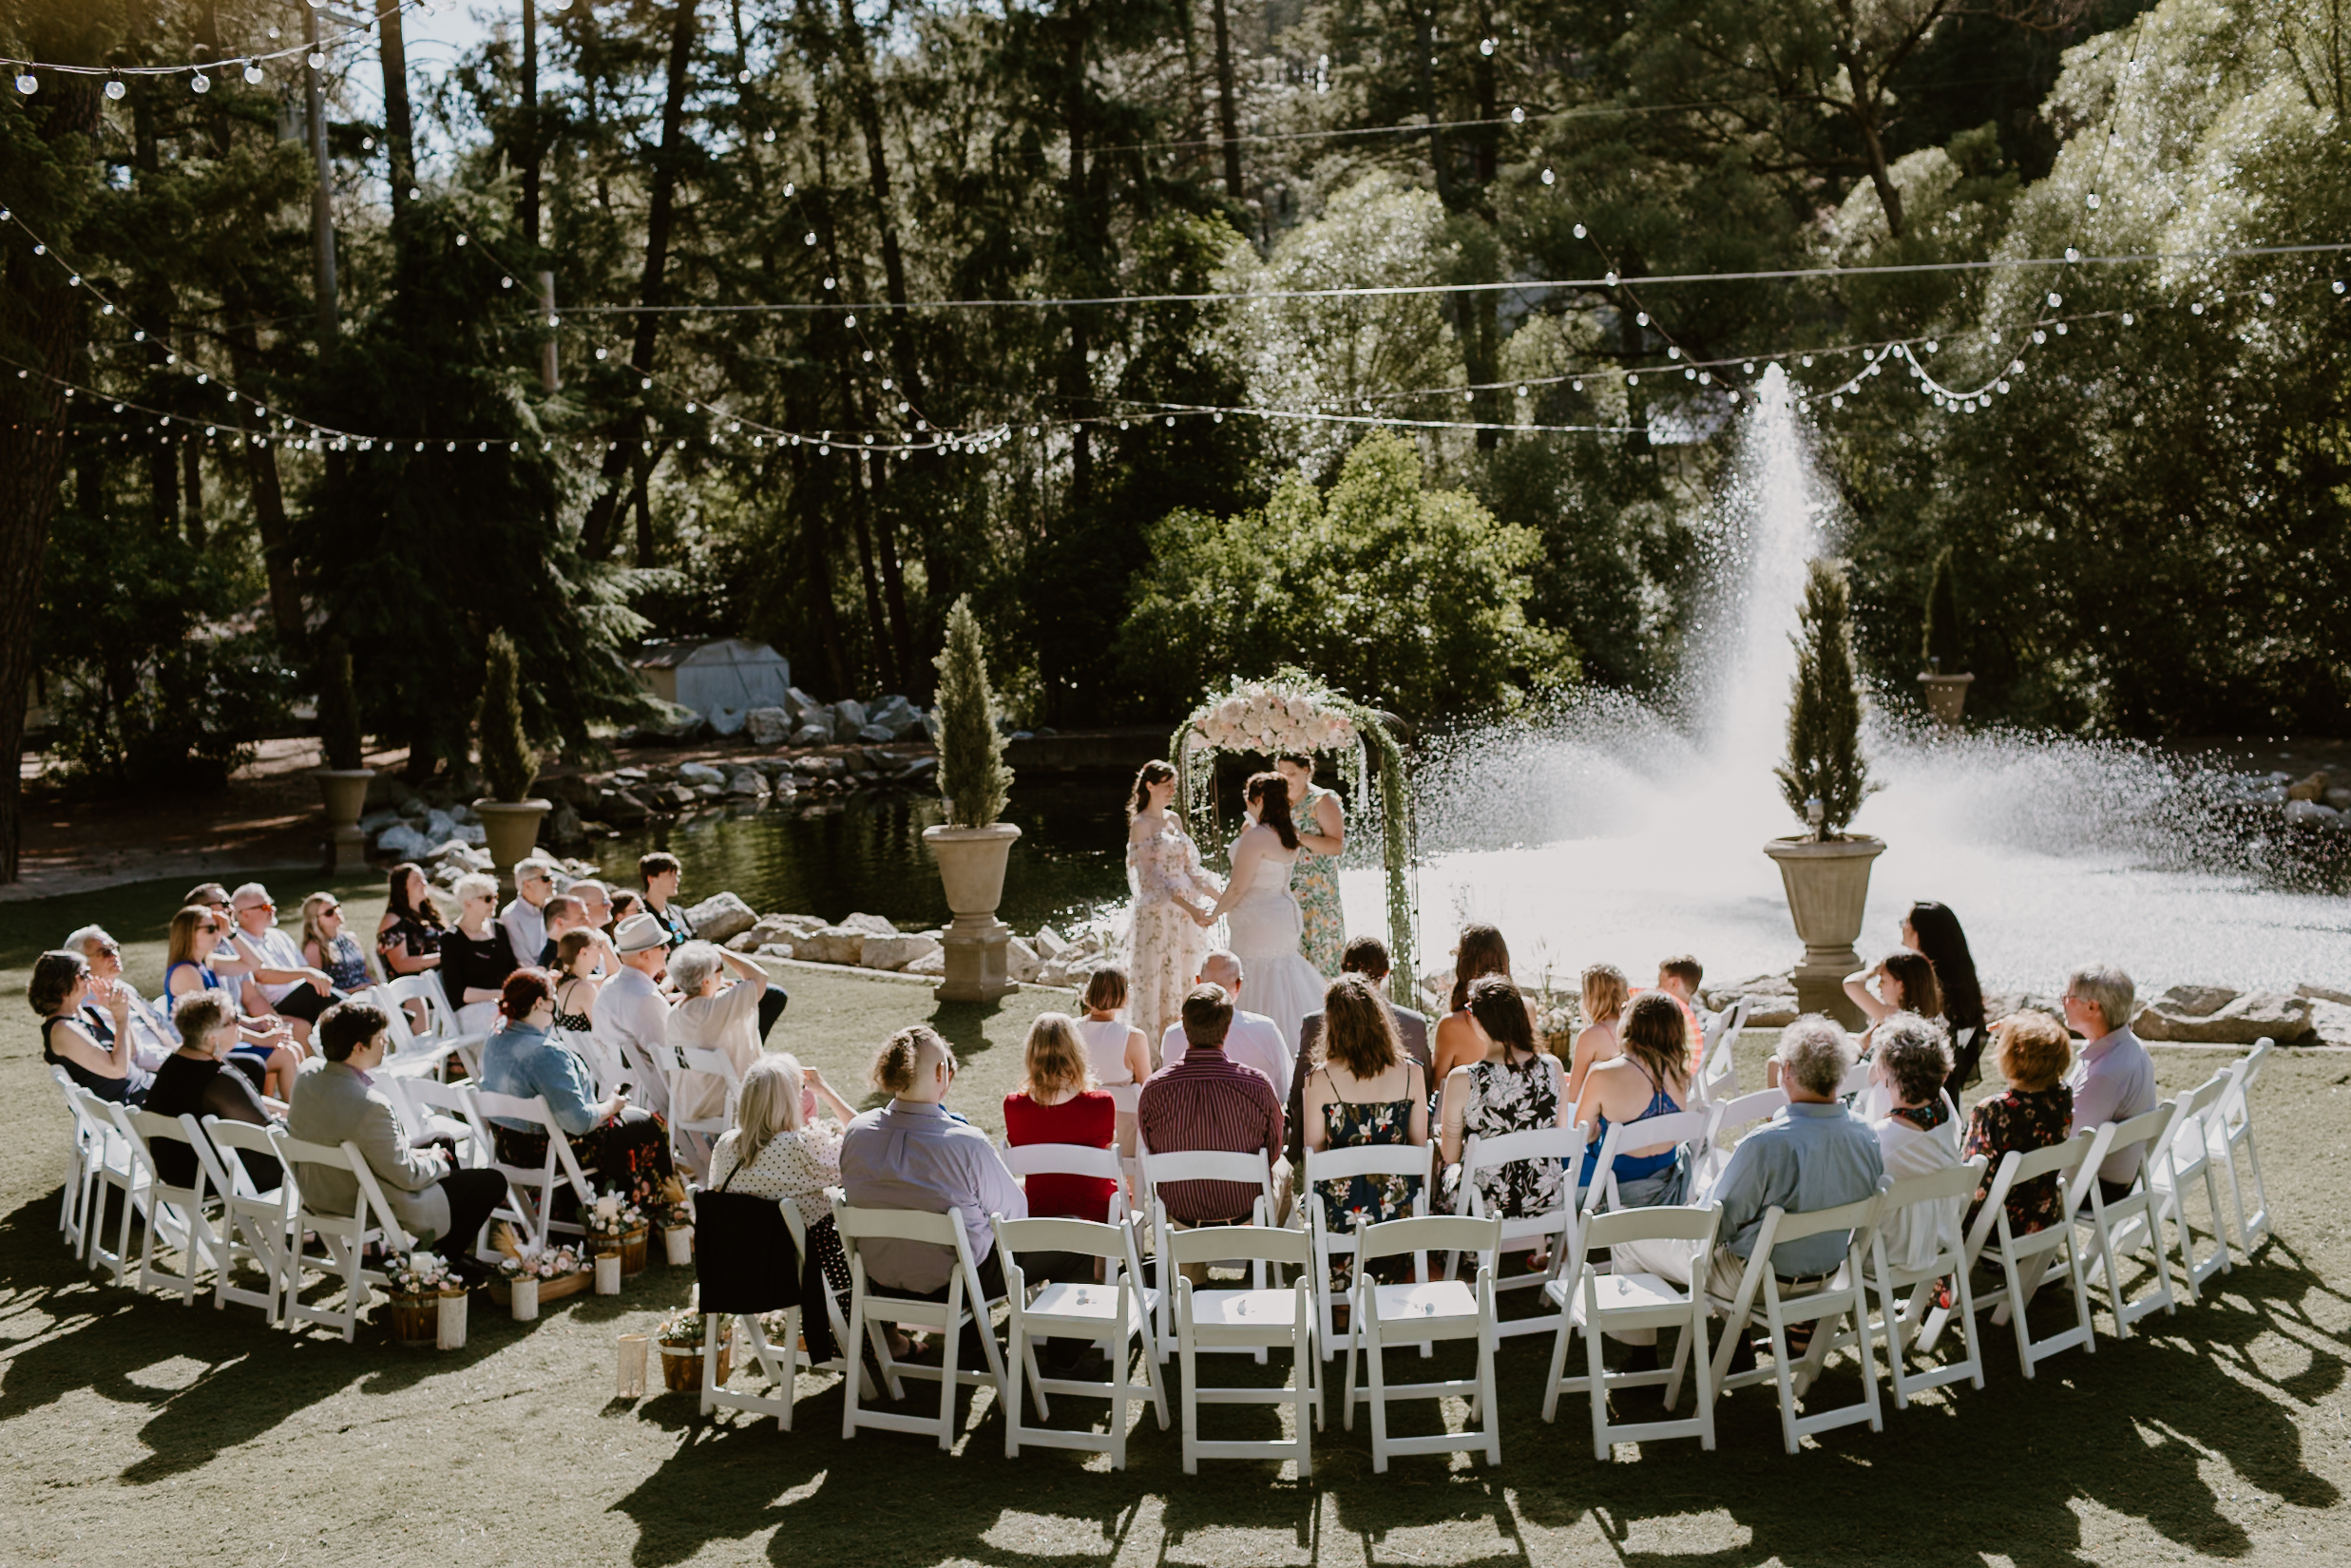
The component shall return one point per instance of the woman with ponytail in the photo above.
(1267, 929)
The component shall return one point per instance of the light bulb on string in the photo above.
(252, 74)
(116, 89)
(1548, 178)
(27, 83)
(200, 83)
(318, 60)
(2073, 255)
(2092, 200)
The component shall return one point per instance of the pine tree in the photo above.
(1824, 715)
(508, 764)
(973, 780)
(1944, 644)
(338, 710)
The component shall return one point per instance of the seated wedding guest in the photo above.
(191, 1082)
(1932, 930)
(523, 920)
(1605, 993)
(1648, 1078)
(1814, 1154)
(60, 983)
(475, 956)
(563, 913)
(1905, 983)
(1205, 1099)
(576, 954)
(1058, 1101)
(632, 1015)
(911, 1154)
(1365, 1092)
(329, 947)
(1121, 1054)
(1253, 1040)
(284, 985)
(337, 1102)
(627, 1148)
(1919, 1135)
(2115, 1078)
(660, 873)
(1679, 978)
(595, 904)
(152, 1037)
(409, 937)
(626, 906)
(264, 1046)
(1479, 952)
(779, 1149)
(711, 1016)
(2034, 1111)
(1511, 1087)
(1365, 956)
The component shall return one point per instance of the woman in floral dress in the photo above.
(1513, 1088)
(1322, 835)
(1165, 938)
(1365, 1090)
(2036, 1111)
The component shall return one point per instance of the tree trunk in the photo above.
(530, 125)
(1228, 109)
(399, 123)
(155, 309)
(321, 209)
(41, 318)
(191, 463)
(1077, 375)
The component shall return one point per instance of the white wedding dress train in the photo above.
(1266, 929)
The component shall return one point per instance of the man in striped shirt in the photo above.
(1207, 1101)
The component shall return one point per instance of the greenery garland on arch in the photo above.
(1292, 711)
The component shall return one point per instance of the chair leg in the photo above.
(1595, 1380)
(1490, 1416)
(1375, 1352)
(1190, 1402)
(1023, 1368)
(1303, 1361)
(1693, 1344)
(947, 1351)
(1558, 1366)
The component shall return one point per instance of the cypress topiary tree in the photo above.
(1944, 646)
(1824, 715)
(508, 764)
(338, 710)
(973, 781)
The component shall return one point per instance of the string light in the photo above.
(28, 81)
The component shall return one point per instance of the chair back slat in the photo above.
(1253, 1243)
(896, 1225)
(1666, 1222)
(1428, 1233)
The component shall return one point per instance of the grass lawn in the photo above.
(140, 1431)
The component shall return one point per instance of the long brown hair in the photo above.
(1156, 771)
(1915, 974)
(182, 947)
(396, 895)
(1359, 1033)
(1482, 951)
(1269, 794)
(1500, 1011)
(1656, 1036)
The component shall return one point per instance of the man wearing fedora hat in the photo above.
(632, 1016)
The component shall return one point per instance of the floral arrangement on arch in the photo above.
(422, 1273)
(1274, 716)
(612, 1217)
(541, 1263)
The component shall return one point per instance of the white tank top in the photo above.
(1106, 1043)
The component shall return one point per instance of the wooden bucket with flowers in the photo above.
(614, 1224)
(543, 1275)
(417, 1282)
(681, 1338)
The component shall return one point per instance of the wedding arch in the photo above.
(1293, 712)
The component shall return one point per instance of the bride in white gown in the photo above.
(1262, 917)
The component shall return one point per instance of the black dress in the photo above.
(186, 1086)
(470, 964)
(411, 936)
(129, 1090)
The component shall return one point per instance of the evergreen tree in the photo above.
(973, 780)
(1825, 716)
(1944, 644)
(509, 767)
(338, 710)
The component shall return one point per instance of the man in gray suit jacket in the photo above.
(1365, 956)
(336, 1101)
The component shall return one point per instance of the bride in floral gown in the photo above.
(1166, 939)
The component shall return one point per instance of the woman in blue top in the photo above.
(1651, 1078)
(266, 1049)
(624, 1148)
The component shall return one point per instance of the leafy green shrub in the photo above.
(973, 780)
(1944, 644)
(509, 767)
(1825, 716)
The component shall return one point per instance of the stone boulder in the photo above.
(812, 735)
(771, 929)
(2313, 787)
(800, 705)
(699, 773)
(621, 808)
(674, 797)
(563, 825)
(747, 783)
(720, 916)
(870, 924)
(1050, 942)
(831, 945)
(2245, 1019)
(1021, 960)
(402, 842)
(2324, 993)
(728, 721)
(1771, 999)
(880, 734)
(921, 770)
(896, 952)
(848, 716)
(667, 723)
(2193, 1000)
(768, 726)
(934, 965)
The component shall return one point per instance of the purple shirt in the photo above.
(1208, 1100)
(913, 1156)
(2113, 1081)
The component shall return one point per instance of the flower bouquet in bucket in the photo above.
(530, 1277)
(681, 1337)
(614, 1224)
(673, 1215)
(418, 1282)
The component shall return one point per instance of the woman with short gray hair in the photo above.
(713, 1017)
(1813, 1053)
(1919, 1135)
(475, 956)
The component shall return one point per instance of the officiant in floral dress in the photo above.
(1322, 835)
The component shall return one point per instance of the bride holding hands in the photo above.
(1265, 924)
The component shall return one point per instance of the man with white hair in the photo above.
(152, 1037)
(1253, 1040)
(288, 988)
(632, 1016)
(1814, 1154)
(2113, 1079)
(523, 918)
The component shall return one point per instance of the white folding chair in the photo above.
(872, 1308)
(1418, 1313)
(1688, 1128)
(343, 1238)
(1199, 1165)
(782, 1360)
(1553, 1230)
(2133, 1221)
(1624, 1301)
(113, 1169)
(1844, 1296)
(1718, 1069)
(2025, 1260)
(1113, 1315)
(428, 1107)
(2189, 1159)
(1251, 1320)
(1328, 1243)
(179, 1218)
(691, 1139)
(85, 1153)
(1900, 1318)
(255, 1227)
(1732, 1117)
(2232, 1145)
(1074, 1160)
(531, 1191)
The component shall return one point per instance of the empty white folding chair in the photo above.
(1427, 1310)
(425, 1015)
(1255, 1319)
(1198, 1165)
(1332, 1236)
(532, 1189)
(1629, 1301)
(115, 1176)
(872, 1309)
(783, 1359)
(1844, 1296)
(1718, 1069)
(1074, 1160)
(691, 1139)
(257, 1226)
(1732, 1117)
(1551, 1232)
(2025, 1260)
(179, 1216)
(429, 1108)
(343, 1236)
(2189, 1162)
(2133, 1222)
(2232, 1145)
(1112, 1315)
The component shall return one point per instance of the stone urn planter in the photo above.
(971, 867)
(1946, 698)
(346, 793)
(1827, 884)
(511, 827)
